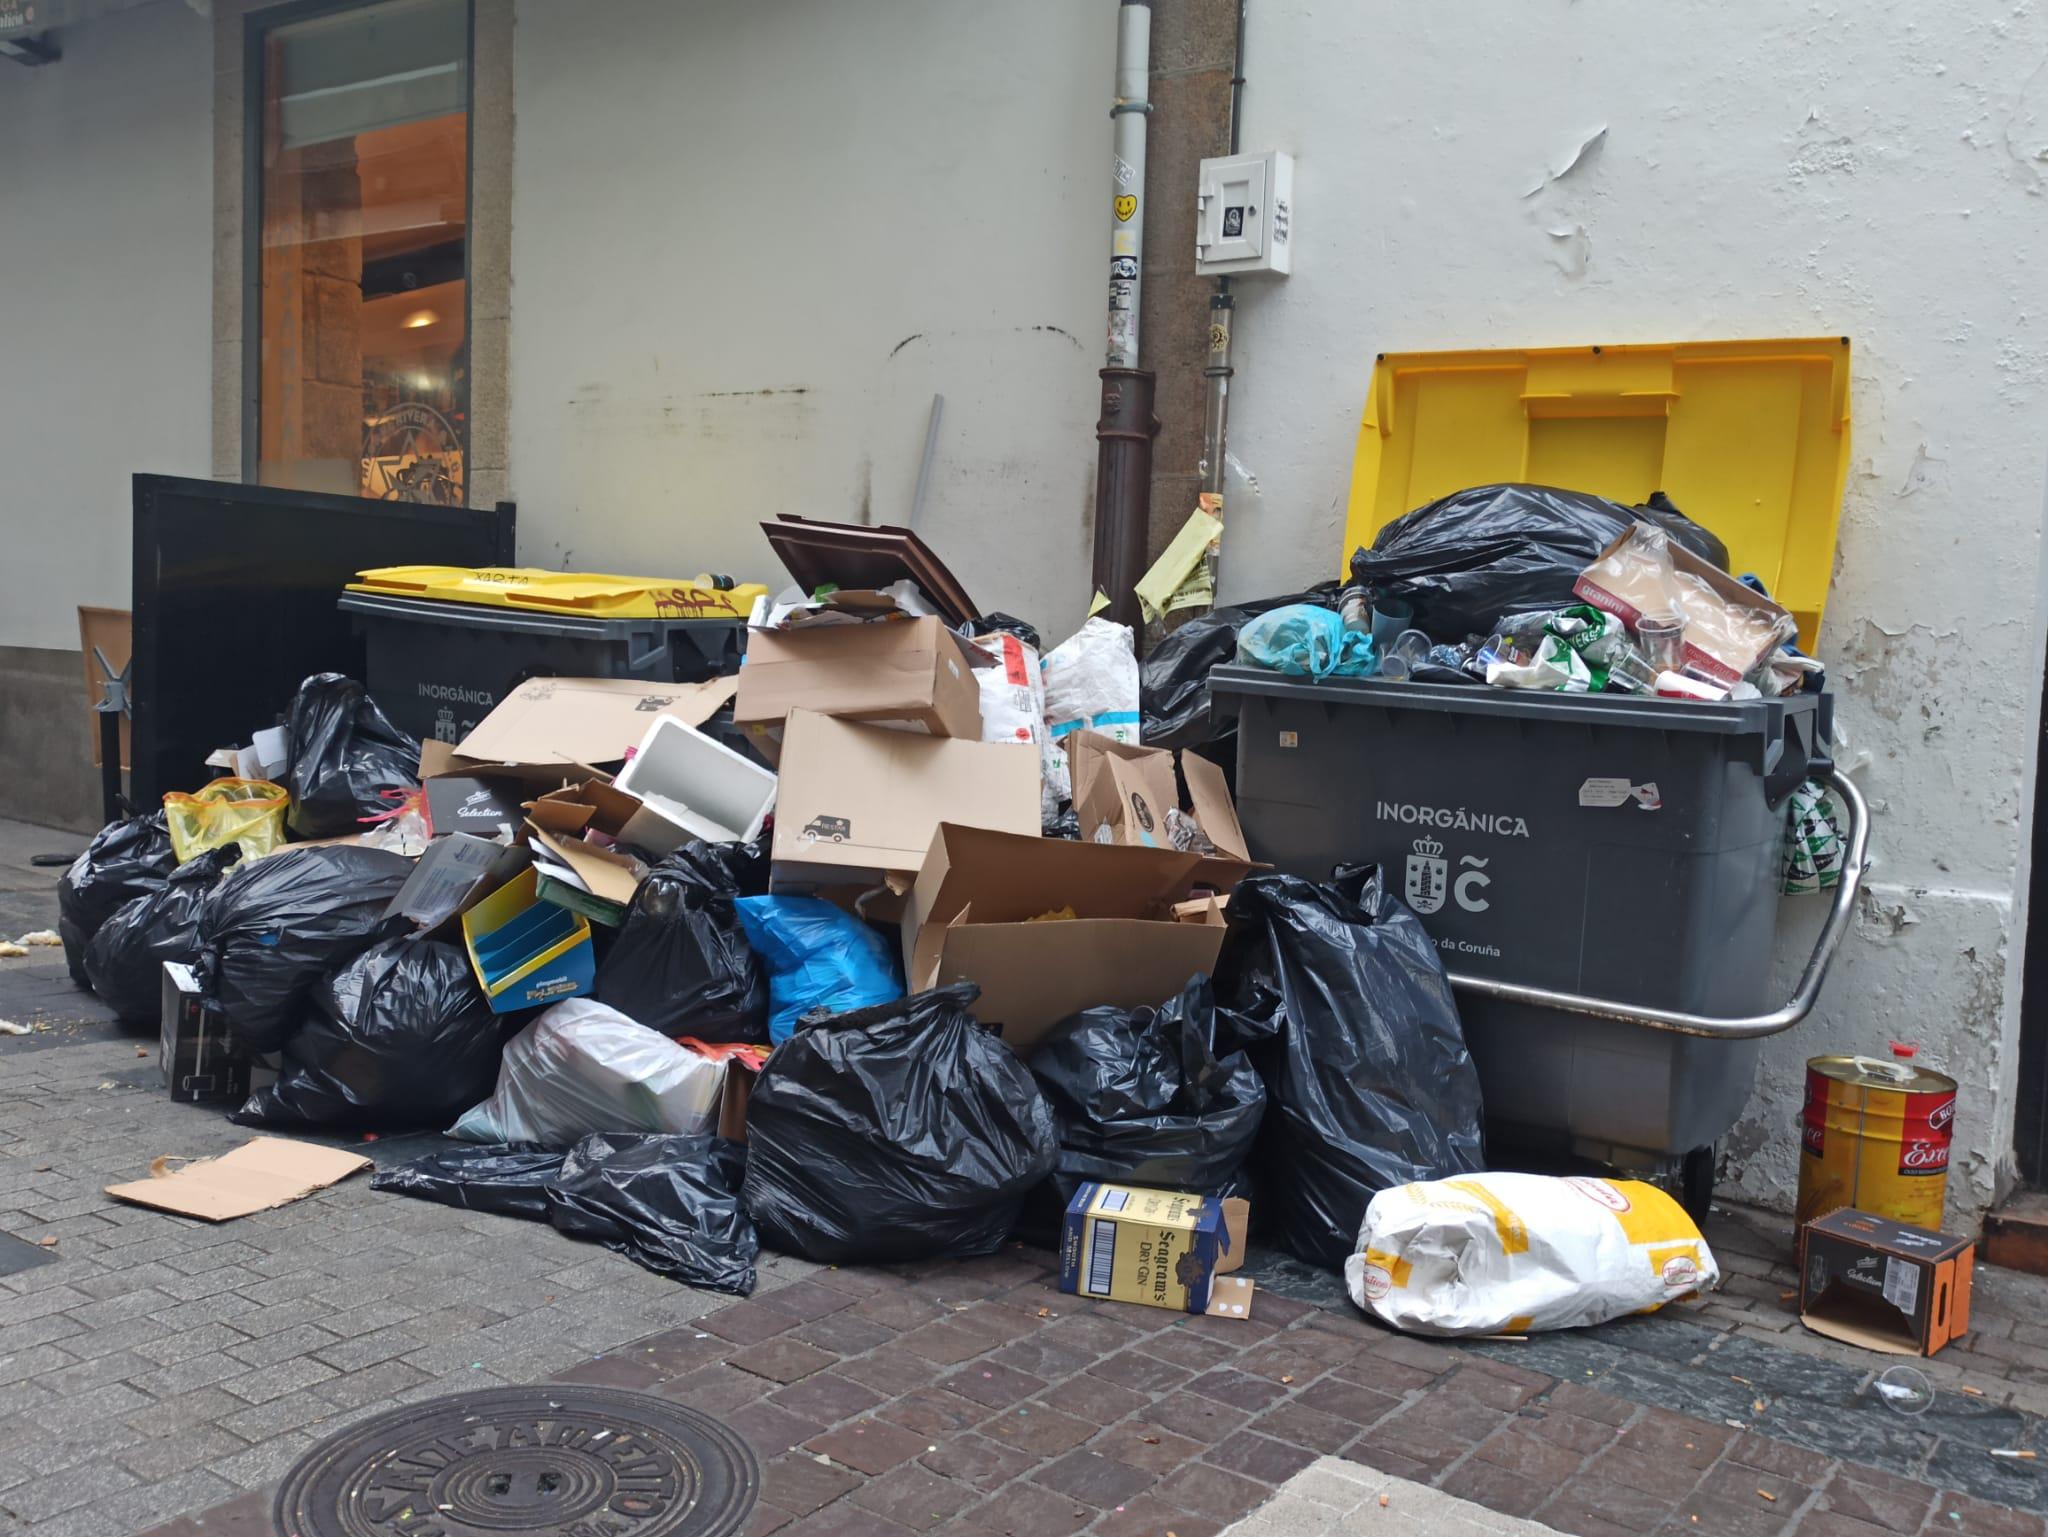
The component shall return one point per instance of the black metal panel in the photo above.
(234, 600)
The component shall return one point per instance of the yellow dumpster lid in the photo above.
(596, 595)
(1749, 438)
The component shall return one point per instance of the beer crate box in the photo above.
(1879, 1284)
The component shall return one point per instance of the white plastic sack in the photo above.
(1091, 684)
(1013, 702)
(1514, 1253)
(582, 1068)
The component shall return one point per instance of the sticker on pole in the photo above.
(1600, 792)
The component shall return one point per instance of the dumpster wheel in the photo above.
(1696, 1182)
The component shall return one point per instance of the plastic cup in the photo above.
(1407, 652)
(1390, 617)
(1661, 639)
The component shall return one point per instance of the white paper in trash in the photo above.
(1091, 684)
(583, 1067)
(1513, 1253)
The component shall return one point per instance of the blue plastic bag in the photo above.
(1303, 640)
(818, 957)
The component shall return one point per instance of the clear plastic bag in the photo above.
(581, 1068)
(1305, 641)
(1091, 684)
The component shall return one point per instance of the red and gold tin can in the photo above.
(1875, 1135)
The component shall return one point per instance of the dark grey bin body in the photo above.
(1474, 801)
(437, 668)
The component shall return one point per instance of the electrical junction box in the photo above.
(1244, 214)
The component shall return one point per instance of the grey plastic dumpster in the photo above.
(1600, 873)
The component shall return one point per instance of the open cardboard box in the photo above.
(1122, 792)
(859, 803)
(971, 911)
(1881, 1285)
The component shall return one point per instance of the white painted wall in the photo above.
(1770, 168)
(752, 238)
(106, 254)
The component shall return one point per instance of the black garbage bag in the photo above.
(999, 623)
(1468, 558)
(277, 925)
(125, 960)
(343, 753)
(1173, 681)
(400, 1036)
(681, 963)
(904, 1131)
(125, 860)
(1368, 1082)
(669, 1203)
(1146, 1097)
(741, 869)
(509, 1179)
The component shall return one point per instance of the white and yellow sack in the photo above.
(1512, 1253)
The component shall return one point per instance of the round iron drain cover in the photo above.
(552, 1462)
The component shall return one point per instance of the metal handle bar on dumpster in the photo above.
(1745, 1029)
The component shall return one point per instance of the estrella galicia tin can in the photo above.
(1875, 1135)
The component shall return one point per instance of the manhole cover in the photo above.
(553, 1462)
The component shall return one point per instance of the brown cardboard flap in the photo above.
(1865, 1322)
(1230, 1296)
(1122, 791)
(261, 1173)
(1210, 804)
(610, 877)
(1237, 1222)
(1033, 975)
(587, 720)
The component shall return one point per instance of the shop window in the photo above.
(361, 187)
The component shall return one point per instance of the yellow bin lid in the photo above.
(1749, 438)
(594, 595)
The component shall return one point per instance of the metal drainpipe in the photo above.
(1123, 435)
(1222, 311)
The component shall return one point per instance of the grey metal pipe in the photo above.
(1217, 373)
(1127, 198)
(1784, 1017)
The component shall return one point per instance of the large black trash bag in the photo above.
(1368, 1081)
(343, 753)
(508, 1179)
(125, 860)
(681, 963)
(125, 960)
(740, 869)
(401, 1036)
(1465, 560)
(669, 1203)
(904, 1131)
(1147, 1097)
(1173, 682)
(277, 925)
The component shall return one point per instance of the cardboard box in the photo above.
(916, 673)
(858, 803)
(1122, 792)
(1727, 635)
(975, 896)
(1882, 1285)
(576, 721)
(1161, 1248)
(527, 952)
(697, 787)
(472, 803)
(202, 1065)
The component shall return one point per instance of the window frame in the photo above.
(257, 25)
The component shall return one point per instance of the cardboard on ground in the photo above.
(971, 913)
(857, 803)
(261, 1173)
(1160, 1248)
(575, 721)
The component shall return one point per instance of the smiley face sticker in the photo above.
(1126, 205)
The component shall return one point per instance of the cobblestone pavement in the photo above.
(151, 1366)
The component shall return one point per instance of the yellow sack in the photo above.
(245, 811)
(1513, 1253)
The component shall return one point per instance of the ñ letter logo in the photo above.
(1428, 876)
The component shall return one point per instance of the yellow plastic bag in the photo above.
(245, 811)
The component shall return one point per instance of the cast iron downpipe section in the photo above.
(1124, 433)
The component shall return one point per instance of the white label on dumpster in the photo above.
(1290, 739)
(1605, 792)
